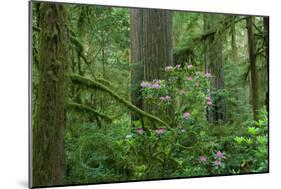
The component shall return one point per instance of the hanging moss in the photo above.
(89, 109)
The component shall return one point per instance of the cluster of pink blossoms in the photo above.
(139, 131)
(220, 154)
(209, 100)
(186, 115)
(165, 98)
(203, 158)
(218, 158)
(189, 66)
(160, 130)
(217, 162)
(168, 68)
(145, 84)
(155, 84)
(178, 66)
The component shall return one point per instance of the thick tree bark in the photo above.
(151, 49)
(266, 39)
(214, 65)
(157, 43)
(137, 56)
(253, 67)
(48, 131)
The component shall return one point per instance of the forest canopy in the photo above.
(124, 94)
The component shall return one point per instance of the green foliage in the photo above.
(252, 147)
(103, 143)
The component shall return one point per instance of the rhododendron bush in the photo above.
(190, 146)
(185, 91)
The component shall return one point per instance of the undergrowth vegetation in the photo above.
(190, 147)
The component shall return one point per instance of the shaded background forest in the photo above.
(124, 94)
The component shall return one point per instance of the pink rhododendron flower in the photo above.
(186, 115)
(217, 162)
(145, 84)
(189, 78)
(189, 66)
(178, 66)
(208, 75)
(139, 131)
(209, 103)
(168, 68)
(160, 130)
(155, 86)
(202, 158)
(219, 154)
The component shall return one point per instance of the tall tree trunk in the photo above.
(266, 39)
(253, 67)
(137, 56)
(214, 65)
(151, 49)
(48, 131)
(234, 45)
(157, 43)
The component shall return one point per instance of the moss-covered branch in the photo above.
(94, 84)
(87, 108)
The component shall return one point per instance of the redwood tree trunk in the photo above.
(137, 56)
(151, 49)
(48, 131)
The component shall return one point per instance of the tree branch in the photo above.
(94, 84)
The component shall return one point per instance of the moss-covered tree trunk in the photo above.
(253, 66)
(151, 49)
(48, 131)
(266, 39)
(214, 65)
